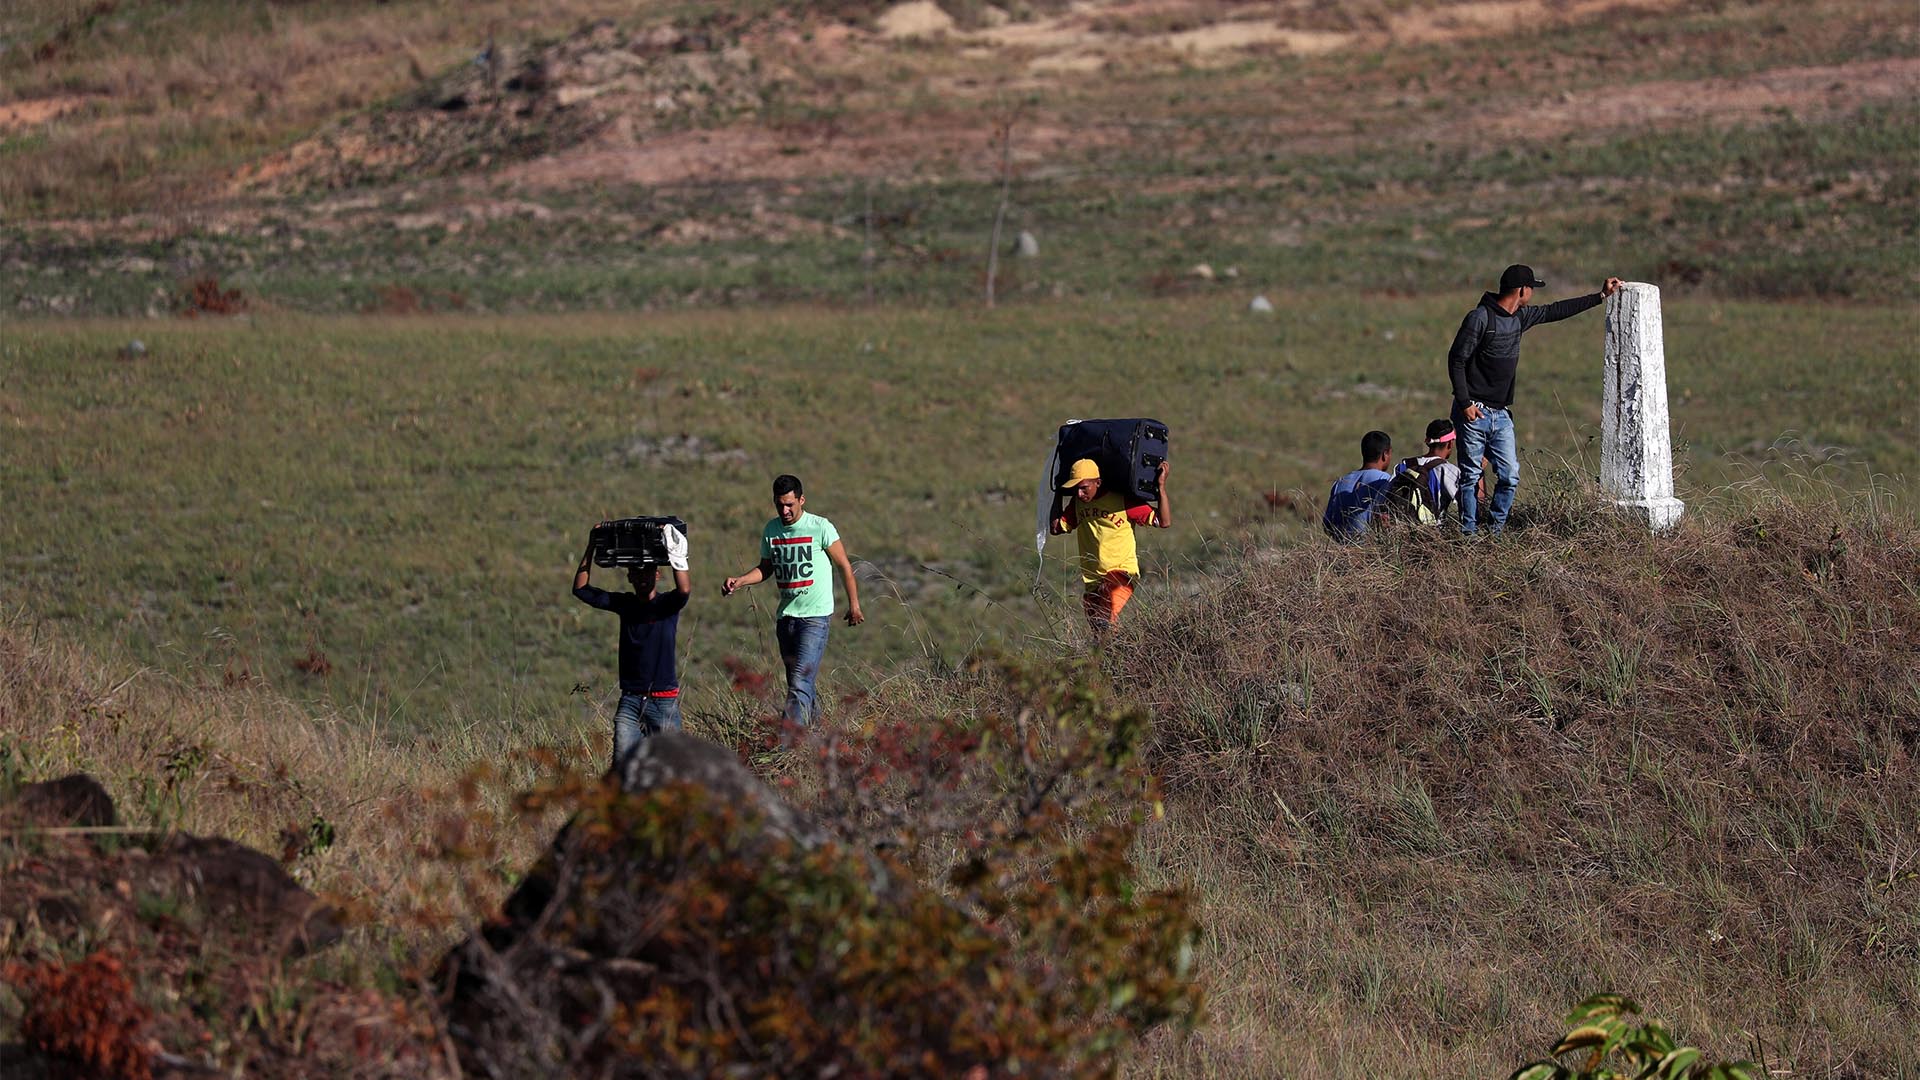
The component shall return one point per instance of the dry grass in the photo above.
(224, 755)
(1435, 792)
(1431, 792)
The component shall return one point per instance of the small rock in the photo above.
(1231, 273)
(660, 39)
(917, 18)
(71, 800)
(234, 881)
(1261, 306)
(1202, 271)
(1026, 246)
(133, 350)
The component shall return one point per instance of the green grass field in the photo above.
(408, 496)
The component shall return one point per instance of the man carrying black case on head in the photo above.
(649, 681)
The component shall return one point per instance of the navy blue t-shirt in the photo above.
(646, 636)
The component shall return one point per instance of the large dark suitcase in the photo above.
(636, 541)
(1129, 453)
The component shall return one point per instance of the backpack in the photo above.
(1414, 495)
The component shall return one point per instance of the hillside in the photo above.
(350, 156)
(1434, 790)
(1423, 820)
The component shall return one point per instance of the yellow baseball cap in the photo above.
(1084, 469)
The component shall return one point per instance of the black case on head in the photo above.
(1129, 453)
(636, 541)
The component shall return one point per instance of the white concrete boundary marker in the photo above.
(1636, 443)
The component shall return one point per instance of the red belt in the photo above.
(675, 692)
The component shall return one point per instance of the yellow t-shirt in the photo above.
(1105, 531)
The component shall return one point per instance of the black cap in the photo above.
(1439, 429)
(1517, 275)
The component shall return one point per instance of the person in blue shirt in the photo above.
(1355, 496)
(649, 682)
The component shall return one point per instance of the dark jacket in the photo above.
(647, 630)
(1486, 351)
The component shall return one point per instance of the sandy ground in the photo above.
(1725, 101)
(918, 18)
(1075, 40)
(1453, 22)
(32, 112)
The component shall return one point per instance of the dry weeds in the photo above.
(1432, 792)
(1437, 790)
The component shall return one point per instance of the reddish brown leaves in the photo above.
(85, 1012)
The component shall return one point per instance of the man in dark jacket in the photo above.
(1481, 364)
(649, 621)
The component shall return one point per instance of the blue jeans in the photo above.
(802, 642)
(1490, 436)
(638, 716)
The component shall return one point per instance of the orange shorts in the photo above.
(1105, 598)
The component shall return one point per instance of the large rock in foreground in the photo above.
(686, 922)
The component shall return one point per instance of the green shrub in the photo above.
(1614, 1047)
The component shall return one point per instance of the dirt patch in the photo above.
(1747, 98)
(919, 18)
(1070, 63)
(457, 216)
(761, 224)
(945, 145)
(1226, 36)
(1454, 22)
(37, 111)
(1086, 36)
(675, 450)
(936, 146)
(1367, 390)
(1067, 31)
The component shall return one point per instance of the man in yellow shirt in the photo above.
(1105, 524)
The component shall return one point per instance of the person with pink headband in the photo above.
(1425, 487)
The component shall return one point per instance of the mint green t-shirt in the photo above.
(801, 568)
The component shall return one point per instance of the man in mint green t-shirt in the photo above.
(799, 552)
